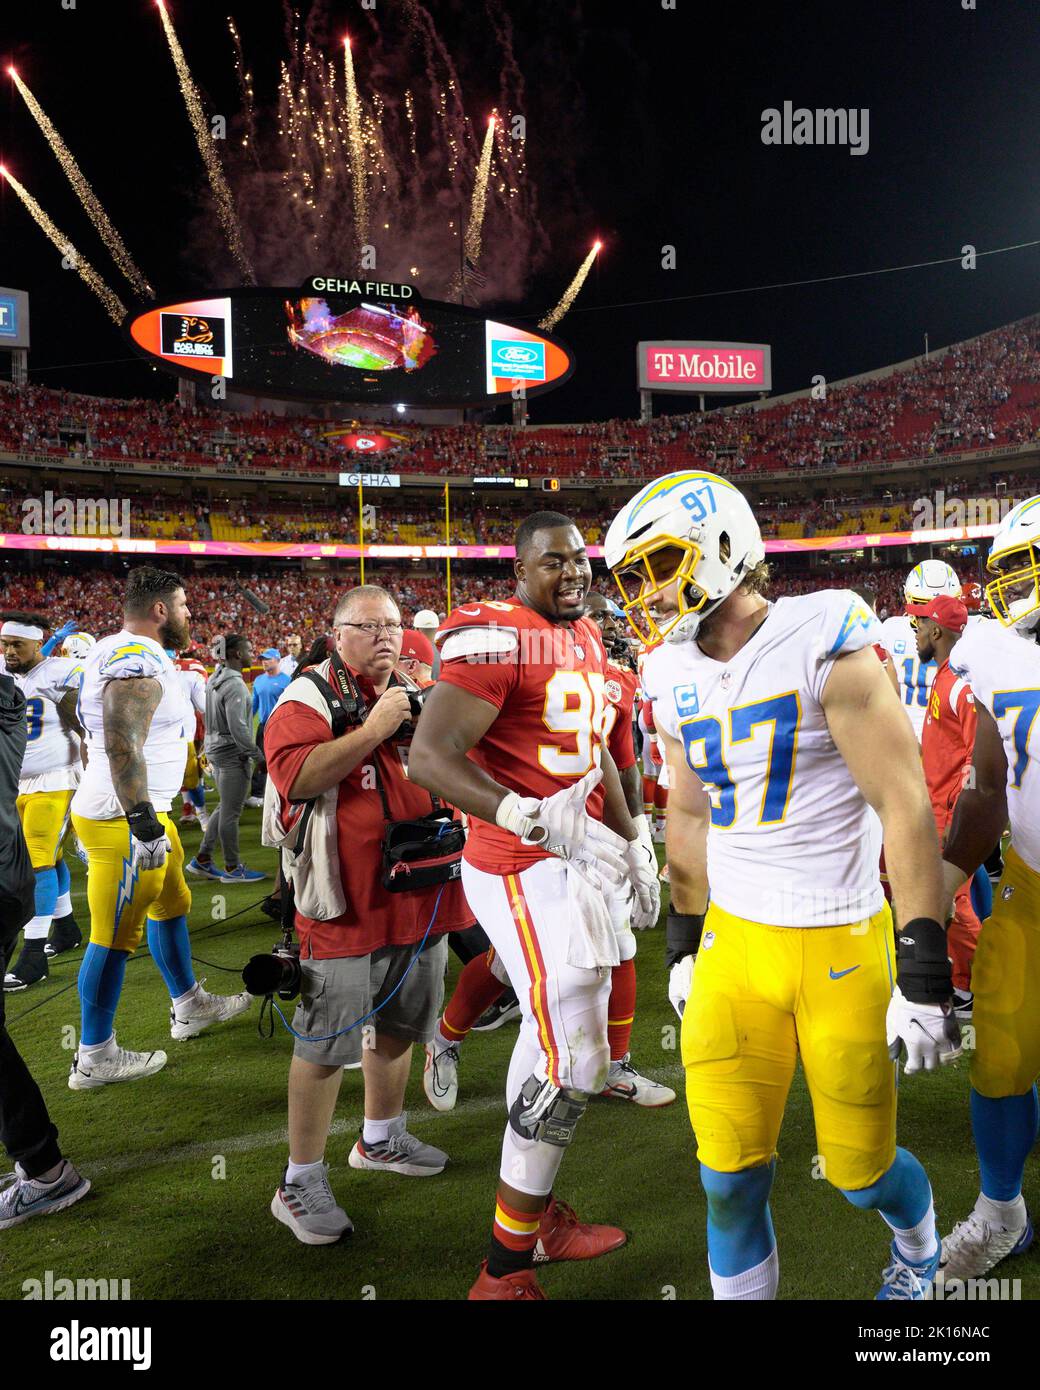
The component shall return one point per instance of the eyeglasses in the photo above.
(374, 629)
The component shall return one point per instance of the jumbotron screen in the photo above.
(336, 339)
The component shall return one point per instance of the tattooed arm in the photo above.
(127, 707)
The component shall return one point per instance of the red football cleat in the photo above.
(523, 1284)
(561, 1236)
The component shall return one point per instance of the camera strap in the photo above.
(348, 710)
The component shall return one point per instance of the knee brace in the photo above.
(546, 1113)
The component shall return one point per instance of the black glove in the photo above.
(682, 935)
(144, 823)
(923, 971)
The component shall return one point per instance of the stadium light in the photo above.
(400, 409)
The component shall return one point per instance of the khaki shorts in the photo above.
(337, 993)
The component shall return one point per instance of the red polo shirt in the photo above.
(374, 917)
(947, 742)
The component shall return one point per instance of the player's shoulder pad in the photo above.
(482, 629)
(136, 657)
(846, 623)
(984, 646)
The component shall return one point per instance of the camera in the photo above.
(416, 698)
(278, 973)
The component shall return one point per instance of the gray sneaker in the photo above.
(310, 1211)
(401, 1153)
(22, 1197)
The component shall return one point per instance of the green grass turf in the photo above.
(158, 1217)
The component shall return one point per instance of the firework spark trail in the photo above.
(86, 272)
(479, 199)
(113, 241)
(570, 293)
(245, 88)
(358, 169)
(217, 182)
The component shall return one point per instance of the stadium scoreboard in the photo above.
(350, 339)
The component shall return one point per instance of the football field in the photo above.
(184, 1164)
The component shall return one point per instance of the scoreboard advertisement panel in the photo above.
(349, 340)
(14, 318)
(711, 368)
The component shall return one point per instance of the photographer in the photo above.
(363, 958)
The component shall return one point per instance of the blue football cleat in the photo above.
(906, 1281)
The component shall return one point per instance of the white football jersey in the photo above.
(1004, 675)
(120, 657)
(52, 752)
(792, 842)
(915, 675)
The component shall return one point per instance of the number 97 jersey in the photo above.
(547, 681)
(791, 840)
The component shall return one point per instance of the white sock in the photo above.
(379, 1131)
(188, 996)
(36, 928)
(1011, 1215)
(755, 1284)
(440, 1042)
(63, 906)
(99, 1049)
(918, 1243)
(300, 1172)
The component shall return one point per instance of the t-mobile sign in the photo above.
(711, 368)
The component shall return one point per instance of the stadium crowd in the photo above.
(981, 393)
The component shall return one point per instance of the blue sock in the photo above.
(197, 796)
(982, 894)
(902, 1195)
(64, 878)
(100, 984)
(740, 1227)
(1005, 1131)
(46, 892)
(170, 946)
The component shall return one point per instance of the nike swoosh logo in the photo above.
(837, 974)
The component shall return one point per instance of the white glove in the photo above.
(930, 1033)
(150, 854)
(680, 983)
(561, 825)
(646, 886)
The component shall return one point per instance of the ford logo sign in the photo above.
(517, 353)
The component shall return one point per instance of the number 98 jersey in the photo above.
(547, 681)
(791, 842)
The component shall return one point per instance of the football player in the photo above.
(137, 719)
(946, 749)
(514, 735)
(786, 745)
(50, 771)
(1004, 674)
(925, 581)
(484, 979)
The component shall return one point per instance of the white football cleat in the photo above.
(625, 1083)
(440, 1076)
(189, 1019)
(977, 1245)
(106, 1068)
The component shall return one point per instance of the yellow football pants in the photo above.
(45, 818)
(1005, 977)
(119, 900)
(763, 994)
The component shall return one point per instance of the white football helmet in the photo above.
(929, 579)
(1014, 558)
(691, 529)
(77, 645)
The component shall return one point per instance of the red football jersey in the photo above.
(620, 690)
(547, 680)
(947, 741)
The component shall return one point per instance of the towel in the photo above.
(592, 942)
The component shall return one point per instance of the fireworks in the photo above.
(217, 182)
(570, 293)
(357, 149)
(80, 264)
(479, 199)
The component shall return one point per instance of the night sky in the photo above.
(644, 128)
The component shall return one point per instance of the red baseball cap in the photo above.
(946, 611)
(416, 646)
